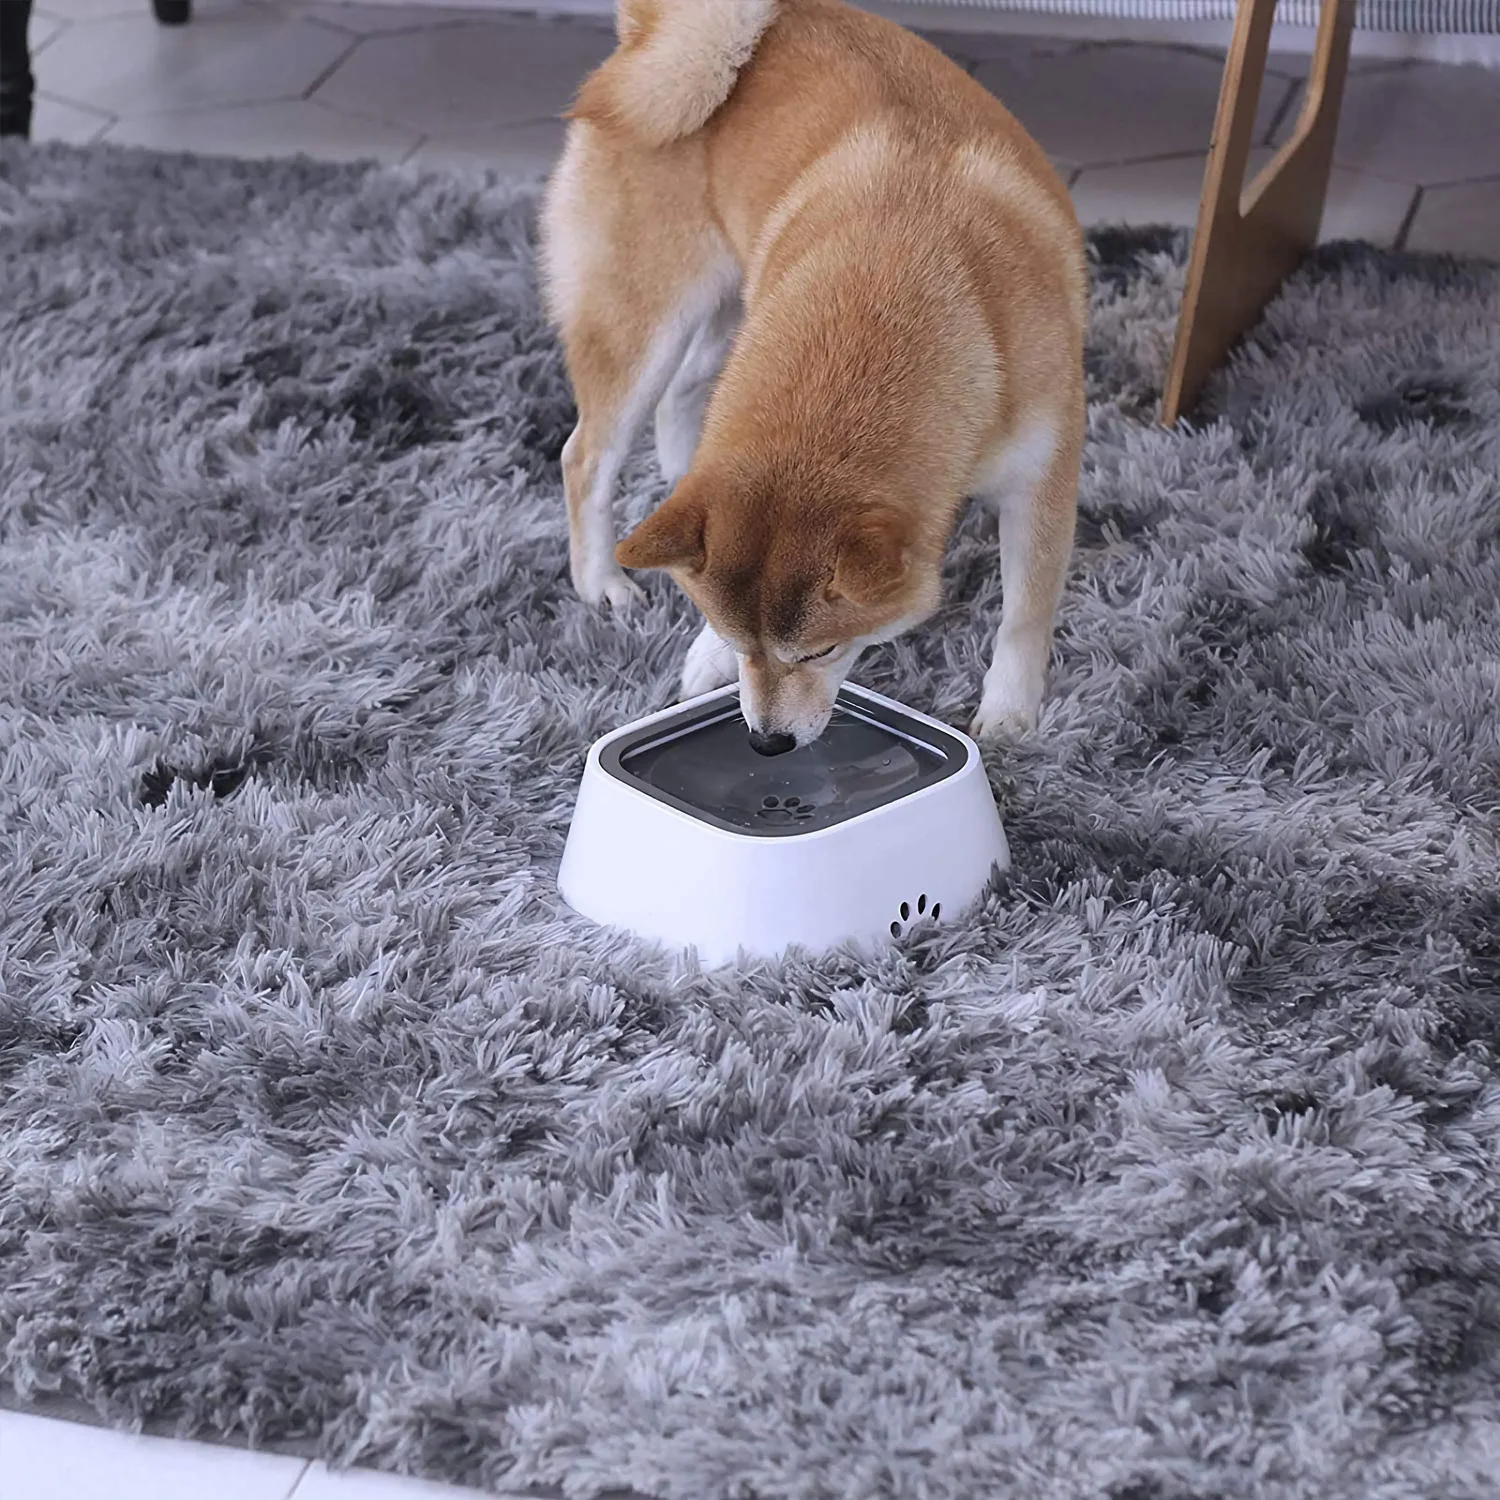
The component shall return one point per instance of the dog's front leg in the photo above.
(711, 663)
(1033, 489)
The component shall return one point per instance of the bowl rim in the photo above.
(957, 750)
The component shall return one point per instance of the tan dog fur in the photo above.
(853, 291)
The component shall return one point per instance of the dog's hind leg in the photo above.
(679, 414)
(618, 376)
(1033, 488)
(631, 278)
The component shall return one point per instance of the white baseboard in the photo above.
(1396, 46)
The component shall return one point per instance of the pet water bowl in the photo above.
(685, 836)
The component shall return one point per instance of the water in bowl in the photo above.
(855, 766)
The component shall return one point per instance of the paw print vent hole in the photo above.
(900, 924)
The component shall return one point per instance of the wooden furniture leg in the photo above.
(1246, 244)
(16, 83)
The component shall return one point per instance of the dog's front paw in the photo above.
(1012, 696)
(1007, 709)
(609, 589)
(1002, 723)
(711, 663)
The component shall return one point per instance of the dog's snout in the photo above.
(775, 743)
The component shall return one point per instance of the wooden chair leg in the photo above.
(1248, 242)
(16, 83)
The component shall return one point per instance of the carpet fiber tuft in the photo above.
(1168, 1173)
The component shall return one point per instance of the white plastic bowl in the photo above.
(684, 836)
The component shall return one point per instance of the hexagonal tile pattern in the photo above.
(1104, 105)
(57, 120)
(130, 65)
(373, 20)
(1421, 123)
(520, 150)
(457, 79)
(1164, 191)
(98, 10)
(1296, 64)
(51, 1460)
(455, 86)
(1463, 219)
(972, 48)
(42, 30)
(291, 127)
(1359, 207)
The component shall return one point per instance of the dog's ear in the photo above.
(671, 536)
(874, 556)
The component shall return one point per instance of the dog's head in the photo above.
(797, 584)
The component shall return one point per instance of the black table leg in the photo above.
(16, 82)
(168, 12)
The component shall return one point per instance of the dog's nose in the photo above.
(771, 744)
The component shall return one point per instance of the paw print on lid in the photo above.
(785, 810)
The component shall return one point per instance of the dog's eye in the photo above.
(818, 655)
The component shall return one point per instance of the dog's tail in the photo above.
(676, 63)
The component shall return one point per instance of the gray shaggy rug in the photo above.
(1169, 1173)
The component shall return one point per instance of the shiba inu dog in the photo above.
(852, 291)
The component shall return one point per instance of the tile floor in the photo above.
(45, 1459)
(1418, 164)
(1418, 155)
